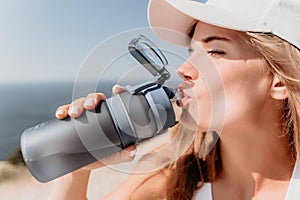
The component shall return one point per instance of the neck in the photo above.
(250, 163)
(251, 155)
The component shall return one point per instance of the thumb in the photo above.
(118, 89)
(125, 155)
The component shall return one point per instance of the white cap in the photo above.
(280, 17)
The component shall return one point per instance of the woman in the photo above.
(254, 46)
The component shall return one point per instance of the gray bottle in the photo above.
(57, 147)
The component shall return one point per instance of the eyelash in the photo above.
(216, 52)
(211, 52)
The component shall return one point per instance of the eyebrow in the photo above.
(212, 38)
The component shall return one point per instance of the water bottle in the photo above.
(56, 147)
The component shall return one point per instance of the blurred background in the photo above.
(43, 43)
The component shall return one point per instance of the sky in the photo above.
(47, 40)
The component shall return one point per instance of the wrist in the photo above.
(71, 186)
(81, 173)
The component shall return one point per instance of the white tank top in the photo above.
(293, 191)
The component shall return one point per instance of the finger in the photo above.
(94, 165)
(125, 155)
(92, 100)
(118, 89)
(129, 152)
(62, 111)
(76, 108)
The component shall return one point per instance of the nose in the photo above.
(187, 71)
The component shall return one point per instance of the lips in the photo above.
(183, 102)
(183, 89)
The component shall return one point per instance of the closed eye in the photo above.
(216, 52)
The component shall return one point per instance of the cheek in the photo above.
(244, 105)
(246, 90)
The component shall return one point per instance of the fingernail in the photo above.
(60, 112)
(132, 153)
(117, 88)
(89, 102)
(73, 110)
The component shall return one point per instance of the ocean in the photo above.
(23, 105)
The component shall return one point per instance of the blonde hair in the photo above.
(283, 61)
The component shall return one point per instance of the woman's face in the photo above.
(225, 85)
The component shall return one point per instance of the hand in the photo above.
(76, 108)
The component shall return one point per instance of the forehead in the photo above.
(237, 42)
(204, 30)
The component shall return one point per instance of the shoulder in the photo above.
(204, 192)
(152, 187)
(293, 191)
(146, 186)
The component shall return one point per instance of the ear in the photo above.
(278, 90)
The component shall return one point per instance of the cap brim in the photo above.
(167, 17)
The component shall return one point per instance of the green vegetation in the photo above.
(15, 158)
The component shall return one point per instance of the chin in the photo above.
(188, 121)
